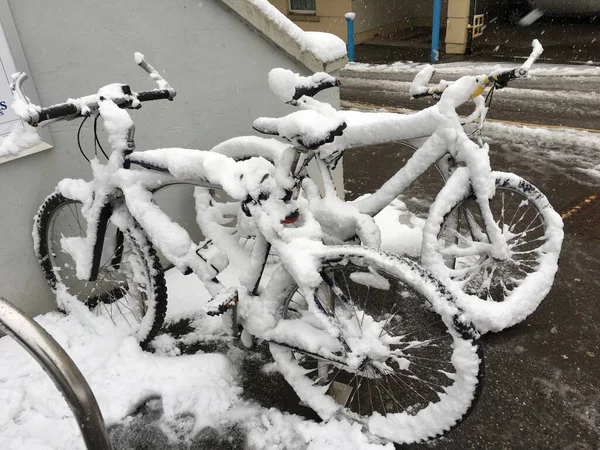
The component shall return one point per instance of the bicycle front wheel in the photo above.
(130, 288)
(499, 292)
(420, 369)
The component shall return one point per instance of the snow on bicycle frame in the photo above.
(466, 169)
(366, 340)
(114, 188)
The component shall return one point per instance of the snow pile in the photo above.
(326, 47)
(20, 138)
(122, 376)
(401, 231)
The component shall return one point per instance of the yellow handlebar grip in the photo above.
(477, 91)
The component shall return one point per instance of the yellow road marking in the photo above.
(358, 105)
(577, 208)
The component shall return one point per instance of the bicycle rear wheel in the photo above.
(130, 288)
(423, 377)
(499, 292)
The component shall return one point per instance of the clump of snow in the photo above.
(370, 279)
(117, 121)
(283, 83)
(531, 17)
(401, 231)
(420, 81)
(305, 128)
(138, 58)
(20, 138)
(325, 46)
(350, 15)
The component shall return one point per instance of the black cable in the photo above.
(79, 138)
(96, 141)
(490, 96)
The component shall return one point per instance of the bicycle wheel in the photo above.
(420, 369)
(130, 288)
(500, 292)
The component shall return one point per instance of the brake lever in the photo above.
(26, 110)
(535, 54)
(152, 72)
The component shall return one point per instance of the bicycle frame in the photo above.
(458, 159)
(114, 184)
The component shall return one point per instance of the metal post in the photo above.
(350, 19)
(435, 31)
(472, 7)
(61, 369)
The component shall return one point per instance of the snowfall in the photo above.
(199, 394)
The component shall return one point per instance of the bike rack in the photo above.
(61, 369)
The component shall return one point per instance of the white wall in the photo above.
(215, 61)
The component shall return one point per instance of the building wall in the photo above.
(329, 17)
(382, 16)
(216, 62)
(373, 17)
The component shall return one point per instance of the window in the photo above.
(303, 6)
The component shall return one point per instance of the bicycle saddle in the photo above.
(304, 129)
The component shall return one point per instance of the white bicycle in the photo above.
(492, 237)
(358, 333)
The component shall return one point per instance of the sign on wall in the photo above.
(8, 118)
(17, 139)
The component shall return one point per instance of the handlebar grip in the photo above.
(422, 94)
(502, 79)
(58, 111)
(156, 94)
(313, 90)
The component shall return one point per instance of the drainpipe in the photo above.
(350, 19)
(435, 31)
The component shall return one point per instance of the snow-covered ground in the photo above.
(205, 387)
(467, 68)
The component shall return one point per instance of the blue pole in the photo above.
(435, 31)
(350, 19)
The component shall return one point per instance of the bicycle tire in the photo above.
(130, 290)
(423, 319)
(498, 293)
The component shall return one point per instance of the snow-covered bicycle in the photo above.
(360, 334)
(492, 237)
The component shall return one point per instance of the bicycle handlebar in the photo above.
(291, 87)
(500, 77)
(34, 114)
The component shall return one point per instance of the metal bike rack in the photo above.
(61, 369)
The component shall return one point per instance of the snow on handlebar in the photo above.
(535, 54)
(499, 77)
(119, 94)
(290, 87)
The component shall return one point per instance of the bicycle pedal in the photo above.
(340, 392)
(222, 302)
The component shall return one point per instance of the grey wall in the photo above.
(215, 61)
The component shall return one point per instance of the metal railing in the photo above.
(61, 369)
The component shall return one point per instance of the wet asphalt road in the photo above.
(571, 101)
(565, 39)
